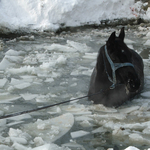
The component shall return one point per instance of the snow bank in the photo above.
(52, 14)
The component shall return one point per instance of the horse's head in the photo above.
(120, 60)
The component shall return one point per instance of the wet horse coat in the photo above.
(118, 75)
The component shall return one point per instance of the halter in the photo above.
(114, 67)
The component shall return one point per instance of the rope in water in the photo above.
(47, 106)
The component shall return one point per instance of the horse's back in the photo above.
(139, 66)
(137, 62)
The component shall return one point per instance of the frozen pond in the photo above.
(37, 70)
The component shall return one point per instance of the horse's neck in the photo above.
(101, 66)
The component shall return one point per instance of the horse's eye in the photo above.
(122, 51)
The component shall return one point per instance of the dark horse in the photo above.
(118, 75)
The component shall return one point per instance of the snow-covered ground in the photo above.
(40, 70)
(29, 15)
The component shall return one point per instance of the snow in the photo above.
(131, 148)
(51, 15)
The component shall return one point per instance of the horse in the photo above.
(118, 75)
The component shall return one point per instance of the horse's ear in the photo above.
(122, 34)
(111, 38)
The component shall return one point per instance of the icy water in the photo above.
(43, 69)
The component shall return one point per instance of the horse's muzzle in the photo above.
(133, 85)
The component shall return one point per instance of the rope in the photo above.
(47, 106)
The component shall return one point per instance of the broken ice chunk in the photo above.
(146, 131)
(19, 84)
(73, 145)
(18, 140)
(90, 56)
(49, 80)
(78, 134)
(83, 118)
(78, 46)
(28, 96)
(56, 110)
(51, 129)
(147, 43)
(3, 82)
(22, 85)
(14, 59)
(7, 97)
(118, 116)
(18, 146)
(102, 108)
(21, 117)
(121, 132)
(2, 122)
(86, 123)
(60, 48)
(5, 147)
(145, 94)
(129, 110)
(74, 84)
(14, 123)
(24, 69)
(99, 130)
(128, 41)
(5, 63)
(38, 141)
(135, 137)
(61, 60)
(12, 52)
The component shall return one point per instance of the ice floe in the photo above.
(52, 71)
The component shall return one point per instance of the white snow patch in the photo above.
(49, 15)
(132, 148)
